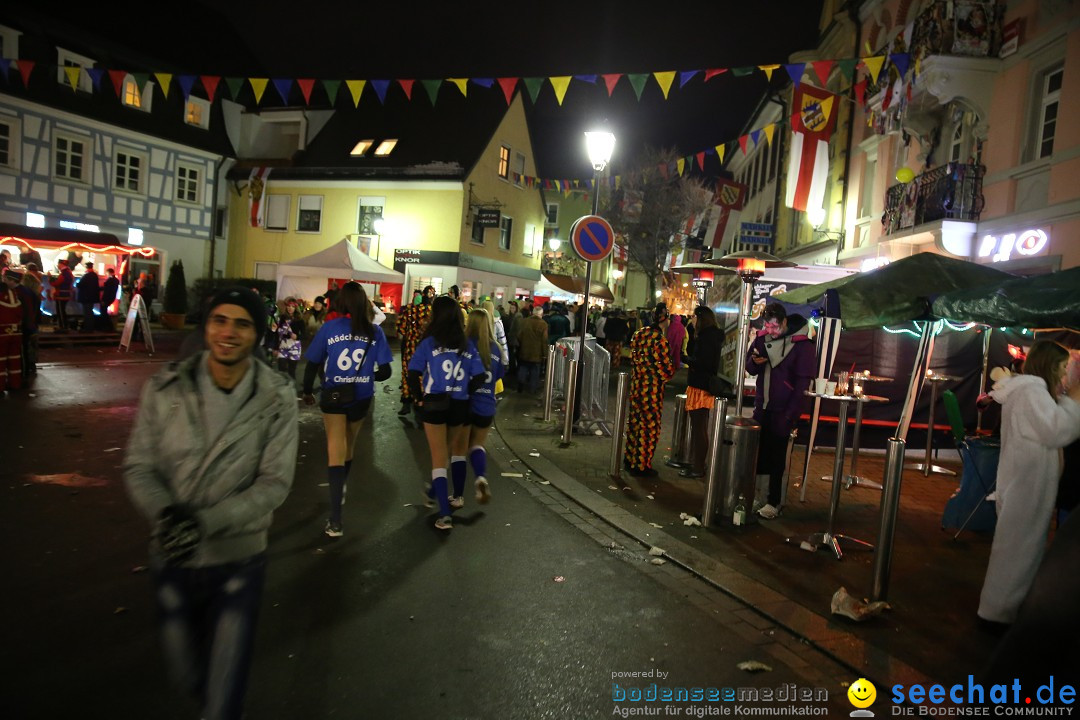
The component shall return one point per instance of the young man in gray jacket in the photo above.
(211, 456)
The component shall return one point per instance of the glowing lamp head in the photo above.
(750, 267)
(703, 278)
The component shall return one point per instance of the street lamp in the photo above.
(599, 144)
(554, 244)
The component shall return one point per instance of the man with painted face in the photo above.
(782, 358)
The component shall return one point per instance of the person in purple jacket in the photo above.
(784, 360)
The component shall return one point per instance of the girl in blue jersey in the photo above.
(443, 371)
(352, 354)
(481, 405)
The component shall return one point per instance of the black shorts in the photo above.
(455, 414)
(481, 421)
(353, 413)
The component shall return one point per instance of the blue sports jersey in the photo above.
(347, 360)
(445, 370)
(482, 402)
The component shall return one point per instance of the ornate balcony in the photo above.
(950, 192)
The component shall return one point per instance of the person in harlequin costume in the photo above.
(11, 324)
(651, 360)
(411, 326)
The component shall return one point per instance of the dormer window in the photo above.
(68, 59)
(385, 148)
(362, 147)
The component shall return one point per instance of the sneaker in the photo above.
(333, 530)
(483, 490)
(444, 523)
(457, 502)
(768, 512)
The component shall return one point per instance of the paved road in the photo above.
(395, 620)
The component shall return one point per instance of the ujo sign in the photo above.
(1027, 243)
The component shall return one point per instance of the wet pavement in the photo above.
(534, 606)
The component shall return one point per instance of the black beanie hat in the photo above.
(245, 298)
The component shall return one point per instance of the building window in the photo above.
(188, 183)
(135, 97)
(371, 210)
(128, 173)
(197, 112)
(9, 43)
(70, 158)
(506, 228)
(277, 212)
(529, 242)
(309, 214)
(1048, 112)
(552, 217)
(9, 143)
(504, 162)
(68, 59)
(519, 169)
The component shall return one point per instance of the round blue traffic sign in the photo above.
(592, 237)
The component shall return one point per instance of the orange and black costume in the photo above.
(651, 360)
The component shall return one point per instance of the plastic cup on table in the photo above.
(819, 385)
(842, 383)
(830, 388)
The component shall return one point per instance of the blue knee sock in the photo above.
(439, 490)
(478, 457)
(335, 474)
(458, 469)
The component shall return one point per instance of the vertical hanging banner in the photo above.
(256, 191)
(812, 125)
(727, 209)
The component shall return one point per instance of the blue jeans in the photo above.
(529, 372)
(207, 620)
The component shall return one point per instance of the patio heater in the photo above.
(703, 277)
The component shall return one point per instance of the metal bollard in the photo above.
(679, 434)
(571, 392)
(714, 463)
(618, 430)
(890, 503)
(549, 382)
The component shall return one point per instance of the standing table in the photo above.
(928, 466)
(853, 477)
(829, 537)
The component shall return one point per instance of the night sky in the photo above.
(335, 39)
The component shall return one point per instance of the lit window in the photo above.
(362, 147)
(385, 148)
(132, 96)
(504, 162)
(188, 183)
(197, 112)
(70, 158)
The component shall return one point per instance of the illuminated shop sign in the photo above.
(1027, 243)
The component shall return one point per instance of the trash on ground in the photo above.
(534, 454)
(112, 449)
(324, 484)
(657, 525)
(612, 487)
(505, 474)
(68, 480)
(689, 520)
(650, 497)
(658, 561)
(545, 482)
(848, 606)
(655, 551)
(753, 666)
(808, 546)
(558, 578)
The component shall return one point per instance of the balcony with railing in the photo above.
(949, 192)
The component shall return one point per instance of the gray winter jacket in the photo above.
(235, 485)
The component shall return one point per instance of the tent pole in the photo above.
(918, 377)
(983, 375)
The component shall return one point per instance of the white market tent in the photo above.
(306, 277)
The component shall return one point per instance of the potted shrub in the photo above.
(175, 305)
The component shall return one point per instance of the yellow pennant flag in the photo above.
(559, 84)
(618, 181)
(73, 73)
(164, 79)
(720, 152)
(664, 79)
(258, 86)
(918, 67)
(873, 64)
(768, 69)
(461, 84)
(680, 163)
(769, 130)
(356, 88)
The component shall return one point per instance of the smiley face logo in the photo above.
(862, 693)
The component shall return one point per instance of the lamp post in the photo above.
(599, 145)
(749, 266)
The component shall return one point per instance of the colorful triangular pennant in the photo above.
(331, 87)
(873, 65)
(822, 68)
(432, 88)
(664, 80)
(610, 81)
(73, 73)
(210, 84)
(795, 71)
(235, 85)
(186, 83)
(356, 89)
(533, 85)
(407, 86)
(686, 76)
(768, 70)
(637, 81)
(462, 84)
(559, 83)
(381, 86)
(508, 84)
(283, 85)
(117, 77)
(306, 86)
(165, 79)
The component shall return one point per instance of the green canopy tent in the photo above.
(1038, 302)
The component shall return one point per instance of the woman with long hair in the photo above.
(1037, 420)
(702, 381)
(353, 354)
(651, 359)
(481, 406)
(443, 371)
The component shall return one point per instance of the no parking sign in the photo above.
(592, 237)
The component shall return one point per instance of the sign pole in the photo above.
(593, 239)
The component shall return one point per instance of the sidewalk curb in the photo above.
(821, 632)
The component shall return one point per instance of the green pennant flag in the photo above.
(331, 87)
(742, 71)
(847, 67)
(141, 79)
(533, 85)
(638, 82)
(432, 87)
(235, 85)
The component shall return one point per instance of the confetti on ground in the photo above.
(112, 449)
(753, 666)
(534, 454)
(612, 487)
(650, 497)
(544, 482)
(655, 525)
(658, 561)
(512, 475)
(559, 578)
(656, 552)
(689, 520)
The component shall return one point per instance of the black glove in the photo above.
(178, 534)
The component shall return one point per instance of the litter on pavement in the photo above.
(851, 607)
(753, 666)
(655, 551)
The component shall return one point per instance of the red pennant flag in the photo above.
(25, 68)
(860, 92)
(743, 139)
(210, 83)
(306, 85)
(709, 74)
(406, 85)
(701, 160)
(822, 68)
(508, 84)
(610, 81)
(117, 77)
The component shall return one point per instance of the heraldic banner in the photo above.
(812, 124)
